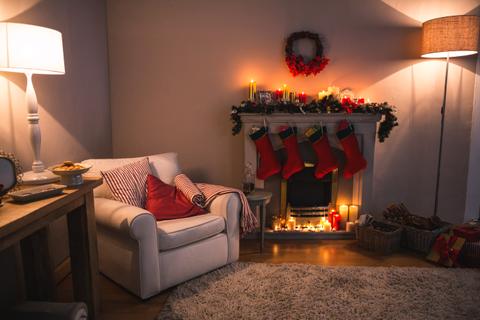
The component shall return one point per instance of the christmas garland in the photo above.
(328, 104)
(296, 63)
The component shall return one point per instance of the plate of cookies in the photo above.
(70, 172)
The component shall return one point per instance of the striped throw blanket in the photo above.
(190, 190)
(248, 219)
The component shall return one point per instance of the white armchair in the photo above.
(147, 256)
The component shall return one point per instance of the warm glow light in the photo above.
(450, 54)
(30, 49)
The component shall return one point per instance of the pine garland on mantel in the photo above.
(328, 104)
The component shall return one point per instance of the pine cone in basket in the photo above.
(400, 214)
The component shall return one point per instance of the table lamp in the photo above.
(32, 50)
(448, 37)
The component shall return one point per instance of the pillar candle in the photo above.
(252, 89)
(291, 223)
(343, 210)
(327, 227)
(336, 221)
(350, 226)
(302, 97)
(353, 213)
(286, 93)
(278, 94)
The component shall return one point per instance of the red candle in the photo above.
(330, 216)
(278, 94)
(360, 100)
(302, 97)
(336, 221)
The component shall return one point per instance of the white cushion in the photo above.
(179, 232)
(164, 166)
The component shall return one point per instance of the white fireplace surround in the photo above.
(365, 130)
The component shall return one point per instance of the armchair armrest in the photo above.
(123, 218)
(136, 228)
(228, 206)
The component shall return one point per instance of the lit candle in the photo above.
(350, 226)
(252, 90)
(327, 227)
(302, 97)
(336, 222)
(343, 209)
(279, 94)
(291, 224)
(322, 94)
(353, 213)
(286, 93)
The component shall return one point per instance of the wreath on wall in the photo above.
(296, 62)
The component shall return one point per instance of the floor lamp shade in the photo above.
(30, 49)
(453, 36)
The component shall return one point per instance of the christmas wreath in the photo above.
(296, 62)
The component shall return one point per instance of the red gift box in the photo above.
(469, 232)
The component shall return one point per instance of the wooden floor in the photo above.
(116, 303)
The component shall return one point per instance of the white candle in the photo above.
(327, 227)
(350, 226)
(291, 224)
(353, 213)
(343, 210)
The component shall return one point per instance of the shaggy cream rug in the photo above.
(299, 291)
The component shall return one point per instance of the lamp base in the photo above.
(42, 177)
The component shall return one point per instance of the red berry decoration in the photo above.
(296, 62)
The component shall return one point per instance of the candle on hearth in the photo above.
(353, 213)
(252, 90)
(291, 224)
(327, 227)
(350, 226)
(330, 215)
(343, 209)
(336, 222)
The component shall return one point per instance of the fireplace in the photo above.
(302, 198)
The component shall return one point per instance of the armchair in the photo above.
(146, 256)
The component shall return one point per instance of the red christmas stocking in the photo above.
(355, 159)
(268, 164)
(326, 162)
(294, 162)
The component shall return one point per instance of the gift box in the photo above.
(470, 232)
(446, 249)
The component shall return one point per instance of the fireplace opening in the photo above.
(304, 190)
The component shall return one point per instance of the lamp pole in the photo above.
(442, 125)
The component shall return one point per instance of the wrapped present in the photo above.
(446, 249)
(469, 231)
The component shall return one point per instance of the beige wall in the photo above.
(74, 108)
(176, 67)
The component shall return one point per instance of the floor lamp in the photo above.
(448, 37)
(32, 50)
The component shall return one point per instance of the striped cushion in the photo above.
(128, 183)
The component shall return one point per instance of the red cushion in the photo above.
(166, 202)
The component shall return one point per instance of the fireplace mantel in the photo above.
(365, 130)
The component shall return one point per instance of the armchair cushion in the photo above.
(180, 232)
(164, 166)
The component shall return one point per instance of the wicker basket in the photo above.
(470, 254)
(421, 240)
(379, 241)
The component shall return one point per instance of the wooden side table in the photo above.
(260, 199)
(24, 227)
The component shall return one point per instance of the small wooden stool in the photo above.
(260, 199)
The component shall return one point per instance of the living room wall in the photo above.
(176, 67)
(74, 108)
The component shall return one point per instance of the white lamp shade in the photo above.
(30, 49)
